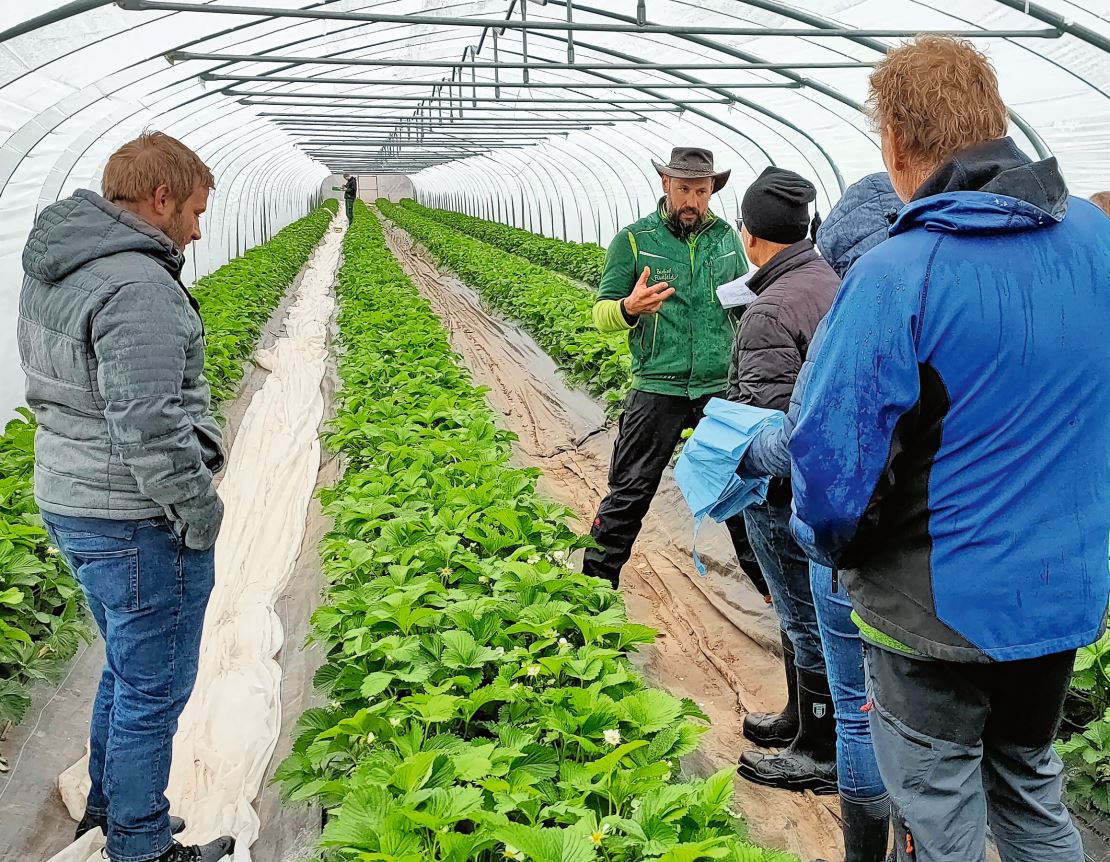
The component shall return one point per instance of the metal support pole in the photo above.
(641, 12)
(570, 33)
(496, 68)
(562, 26)
(524, 37)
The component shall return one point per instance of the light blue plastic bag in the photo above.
(706, 469)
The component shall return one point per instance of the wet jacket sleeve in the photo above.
(140, 338)
(864, 379)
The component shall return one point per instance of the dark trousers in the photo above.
(350, 205)
(960, 744)
(649, 430)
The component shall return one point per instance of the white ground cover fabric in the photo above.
(230, 728)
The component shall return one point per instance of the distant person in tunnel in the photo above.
(660, 285)
(112, 344)
(350, 194)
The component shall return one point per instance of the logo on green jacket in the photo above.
(661, 274)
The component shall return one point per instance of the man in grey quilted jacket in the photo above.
(112, 344)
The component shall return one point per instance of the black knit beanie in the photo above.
(776, 206)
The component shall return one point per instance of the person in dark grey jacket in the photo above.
(794, 289)
(112, 344)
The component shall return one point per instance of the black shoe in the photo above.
(809, 763)
(90, 822)
(209, 852)
(777, 730)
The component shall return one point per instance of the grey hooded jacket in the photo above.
(113, 348)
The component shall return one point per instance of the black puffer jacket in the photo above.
(795, 290)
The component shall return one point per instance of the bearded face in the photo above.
(687, 204)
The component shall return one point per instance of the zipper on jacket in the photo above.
(835, 579)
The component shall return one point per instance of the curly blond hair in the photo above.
(154, 159)
(939, 95)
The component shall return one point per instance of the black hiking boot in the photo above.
(809, 763)
(209, 852)
(778, 729)
(89, 822)
(866, 826)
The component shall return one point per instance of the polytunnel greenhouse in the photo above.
(488, 401)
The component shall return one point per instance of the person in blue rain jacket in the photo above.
(951, 460)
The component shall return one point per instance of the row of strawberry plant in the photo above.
(584, 261)
(554, 309)
(481, 702)
(41, 619)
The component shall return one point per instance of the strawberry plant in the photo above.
(42, 622)
(555, 310)
(583, 261)
(480, 701)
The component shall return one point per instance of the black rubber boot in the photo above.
(866, 826)
(778, 729)
(210, 852)
(89, 822)
(809, 763)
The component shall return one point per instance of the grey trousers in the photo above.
(961, 745)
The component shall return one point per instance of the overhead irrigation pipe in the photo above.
(392, 62)
(546, 85)
(595, 103)
(305, 101)
(318, 120)
(545, 24)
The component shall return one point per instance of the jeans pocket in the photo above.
(110, 577)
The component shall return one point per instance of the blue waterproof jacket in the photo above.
(952, 456)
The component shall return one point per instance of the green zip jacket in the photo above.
(684, 348)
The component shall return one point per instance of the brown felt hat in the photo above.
(691, 163)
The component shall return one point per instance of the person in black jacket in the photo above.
(350, 192)
(794, 289)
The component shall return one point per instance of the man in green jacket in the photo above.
(660, 283)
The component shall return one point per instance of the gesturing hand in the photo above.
(646, 299)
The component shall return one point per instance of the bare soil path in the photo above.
(718, 642)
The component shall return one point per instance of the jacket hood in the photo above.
(860, 221)
(988, 189)
(85, 227)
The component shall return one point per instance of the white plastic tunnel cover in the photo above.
(547, 121)
(540, 113)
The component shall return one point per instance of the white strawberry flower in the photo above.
(510, 852)
(395, 721)
(612, 737)
(482, 579)
(564, 642)
(559, 556)
(534, 670)
(599, 834)
(53, 552)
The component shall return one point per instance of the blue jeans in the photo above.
(148, 594)
(856, 769)
(786, 570)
